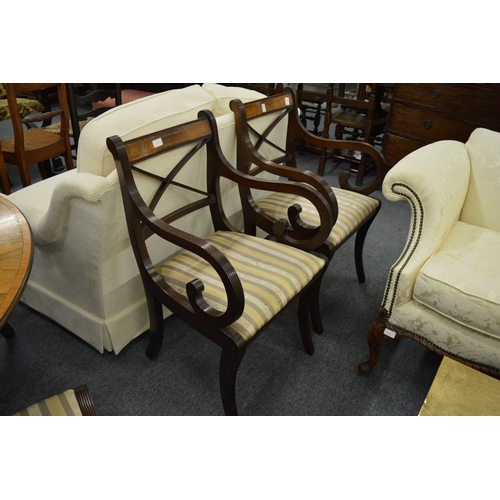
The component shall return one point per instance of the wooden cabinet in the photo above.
(422, 113)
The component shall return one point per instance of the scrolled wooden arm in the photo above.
(195, 288)
(294, 232)
(196, 303)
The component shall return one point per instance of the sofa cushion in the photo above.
(482, 204)
(462, 279)
(224, 95)
(136, 118)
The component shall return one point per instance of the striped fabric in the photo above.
(62, 405)
(354, 208)
(271, 275)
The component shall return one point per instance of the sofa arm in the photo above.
(434, 181)
(47, 225)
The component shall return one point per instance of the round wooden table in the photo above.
(16, 257)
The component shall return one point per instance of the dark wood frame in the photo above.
(142, 223)
(86, 100)
(250, 161)
(85, 401)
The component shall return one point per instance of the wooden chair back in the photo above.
(81, 109)
(35, 145)
(356, 111)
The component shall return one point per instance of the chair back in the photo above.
(164, 177)
(15, 89)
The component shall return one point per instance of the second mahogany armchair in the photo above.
(257, 139)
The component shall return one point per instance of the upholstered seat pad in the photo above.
(268, 284)
(26, 107)
(354, 208)
(62, 405)
(462, 279)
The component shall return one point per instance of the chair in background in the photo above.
(229, 286)
(26, 105)
(311, 101)
(354, 210)
(355, 110)
(444, 289)
(36, 145)
(82, 108)
(71, 403)
(263, 88)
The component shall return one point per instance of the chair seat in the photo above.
(55, 128)
(267, 288)
(355, 120)
(34, 139)
(26, 107)
(62, 405)
(354, 208)
(462, 279)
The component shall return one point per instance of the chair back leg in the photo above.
(230, 360)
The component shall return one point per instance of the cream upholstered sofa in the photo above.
(84, 275)
(444, 290)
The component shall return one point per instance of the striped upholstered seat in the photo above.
(71, 403)
(267, 287)
(354, 209)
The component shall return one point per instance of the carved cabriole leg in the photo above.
(156, 326)
(230, 359)
(375, 337)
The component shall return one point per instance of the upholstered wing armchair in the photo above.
(444, 290)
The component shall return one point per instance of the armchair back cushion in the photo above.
(482, 204)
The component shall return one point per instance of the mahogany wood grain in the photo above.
(16, 257)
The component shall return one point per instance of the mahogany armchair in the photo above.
(257, 136)
(228, 286)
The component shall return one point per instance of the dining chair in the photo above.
(229, 286)
(356, 112)
(36, 145)
(354, 210)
